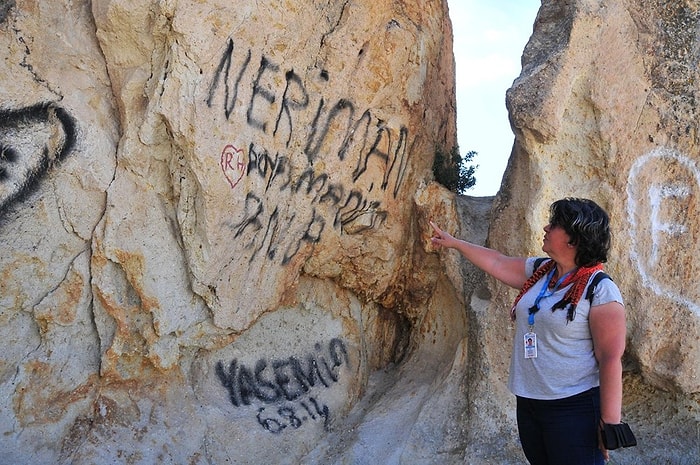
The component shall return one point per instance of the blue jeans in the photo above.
(562, 431)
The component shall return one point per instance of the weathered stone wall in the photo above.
(214, 225)
(606, 108)
(209, 238)
(617, 122)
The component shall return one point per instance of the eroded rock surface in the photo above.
(214, 225)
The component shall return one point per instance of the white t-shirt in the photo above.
(565, 364)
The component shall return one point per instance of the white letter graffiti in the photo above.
(656, 197)
(662, 204)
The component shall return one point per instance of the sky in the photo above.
(489, 38)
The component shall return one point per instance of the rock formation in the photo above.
(214, 224)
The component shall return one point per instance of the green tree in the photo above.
(453, 170)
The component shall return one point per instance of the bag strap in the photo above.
(539, 261)
(598, 277)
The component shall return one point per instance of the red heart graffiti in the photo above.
(233, 164)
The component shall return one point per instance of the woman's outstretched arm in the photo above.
(508, 270)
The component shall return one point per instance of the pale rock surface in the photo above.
(606, 108)
(214, 225)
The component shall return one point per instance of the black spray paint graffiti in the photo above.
(5, 8)
(291, 415)
(340, 130)
(278, 234)
(361, 138)
(318, 190)
(287, 383)
(32, 140)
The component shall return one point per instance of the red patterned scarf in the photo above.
(572, 297)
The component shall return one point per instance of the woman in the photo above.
(566, 363)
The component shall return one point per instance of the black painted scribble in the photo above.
(230, 95)
(359, 137)
(317, 138)
(273, 101)
(261, 164)
(5, 7)
(290, 415)
(269, 234)
(289, 103)
(32, 140)
(260, 90)
(284, 386)
(8, 156)
(283, 379)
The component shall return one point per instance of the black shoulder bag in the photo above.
(616, 436)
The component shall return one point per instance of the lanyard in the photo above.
(544, 294)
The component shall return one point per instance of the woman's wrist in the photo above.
(603, 422)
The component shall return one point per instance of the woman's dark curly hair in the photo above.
(587, 224)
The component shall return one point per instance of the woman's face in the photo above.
(556, 241)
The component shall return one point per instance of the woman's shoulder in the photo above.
(604, 289)
(532, 263)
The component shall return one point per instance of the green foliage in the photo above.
(451, 169)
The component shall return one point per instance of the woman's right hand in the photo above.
(441, 238)
(508, 270)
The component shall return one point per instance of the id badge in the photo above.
(530, 341)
